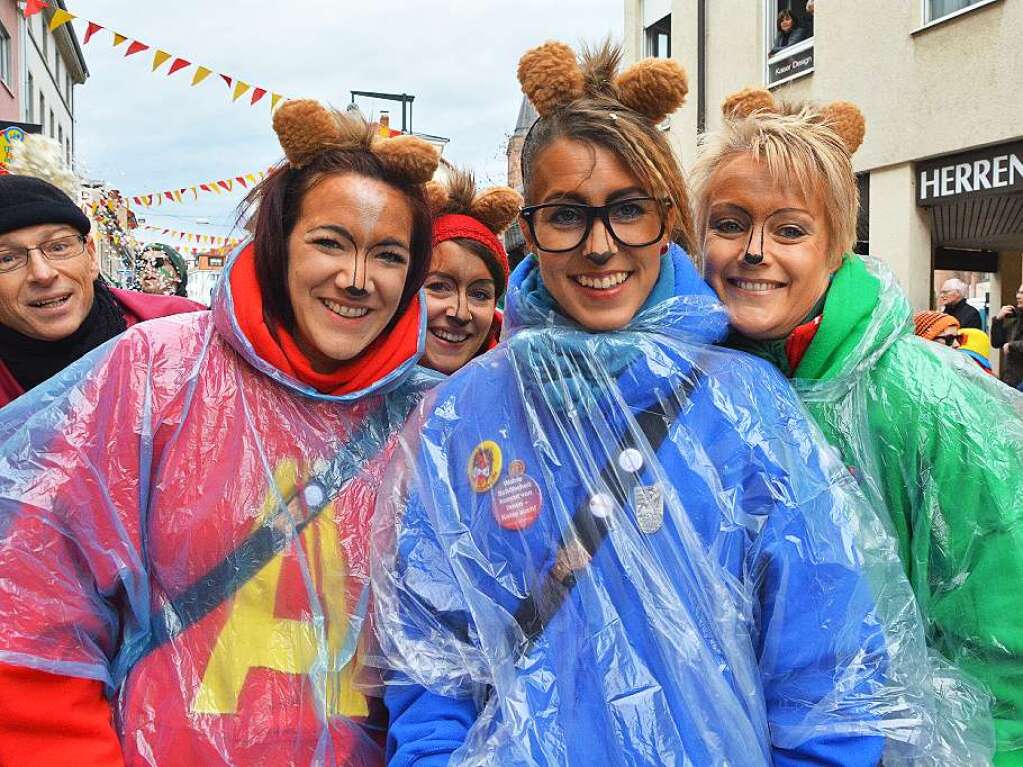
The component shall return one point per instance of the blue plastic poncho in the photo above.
(631, 548)
(189, 525)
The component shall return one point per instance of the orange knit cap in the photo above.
(930, 325)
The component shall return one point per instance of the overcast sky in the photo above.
(145, 132)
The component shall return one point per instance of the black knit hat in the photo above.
(27, 201)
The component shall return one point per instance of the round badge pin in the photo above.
(517, 502)
(484, 466)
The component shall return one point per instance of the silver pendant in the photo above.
(649, 502)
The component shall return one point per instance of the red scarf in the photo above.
(278, 348)
(799, 341)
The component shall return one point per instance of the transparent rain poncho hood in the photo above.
(189, 525)
(630, 548)
(938, 443)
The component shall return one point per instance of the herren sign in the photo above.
(982, 172)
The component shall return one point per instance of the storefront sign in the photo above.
(982, 172)
(791, 66)
(10, 133)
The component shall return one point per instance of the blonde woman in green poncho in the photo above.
(928, 434)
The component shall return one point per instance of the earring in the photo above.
(752, 260)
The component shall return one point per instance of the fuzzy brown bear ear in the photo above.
(496, 208)
(747, 101)
(653, 87)
(550, 77)
(845, 119)
(304, 128)
(436, 197)
(408, 156)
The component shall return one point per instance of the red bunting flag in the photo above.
(135, 47)
(93, 29)
(227, 79)
(241, 180)
(205, 187)
(177, 65)
(257, 94)
(32, 7)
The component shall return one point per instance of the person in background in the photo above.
(469, 270)
(162, 271)
(184, 514)
(977, 346)
(953, 296)
(611, 542)
(938, 327)
(1007, 336)
(789, 32)
(777, 201)
(55, 307)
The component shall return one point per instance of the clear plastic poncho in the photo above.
(939, 443)
(632, 548)
(190, 526)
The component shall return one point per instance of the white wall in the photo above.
(48, 80)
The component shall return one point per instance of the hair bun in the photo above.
(653, 87)
(304, 128)
(845, 119)
(747, 101)
(496, 207)
(550, 77)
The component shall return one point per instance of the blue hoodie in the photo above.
(726, 612)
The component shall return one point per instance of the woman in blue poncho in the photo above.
(610, 543)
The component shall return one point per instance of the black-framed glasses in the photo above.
(57, 249)
(635, 222)
(949, 340)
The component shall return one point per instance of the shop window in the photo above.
(658, 38)
(863, 215)
(789, 39)
(5, 55)
(791, 23)
(937, 9)
(30, 101)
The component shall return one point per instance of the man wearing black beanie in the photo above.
(54, 305)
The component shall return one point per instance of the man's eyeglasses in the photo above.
(952, 339)
(559, 227)
(58, 249)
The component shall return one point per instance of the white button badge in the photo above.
(630, 460)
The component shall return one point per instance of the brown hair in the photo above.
(277, 203)
(616, 112)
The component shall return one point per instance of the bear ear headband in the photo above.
(551, 77)
(842, 117)
(305, 128)
(495, 207)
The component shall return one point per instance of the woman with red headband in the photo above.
(469, 270)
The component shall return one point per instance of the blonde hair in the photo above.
(802, 152)
(599, 114)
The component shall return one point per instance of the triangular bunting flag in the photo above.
(195, 193)
(158, 58)
(118, 38)
(204, 187)
(149, 200)
(241, 181)
(251, 178)
(32, 7)
(257, 94)
(93, 29)
(60, 18)
(239, 90)
(274, 100)
(178, 64)
(225, 185)
(201, 73)
(227, 79)
(135, 47)
(214, 187)
(169, 196)
(137, 200)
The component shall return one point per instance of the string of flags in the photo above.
(220, 186)
(236, 87)
(201, 239)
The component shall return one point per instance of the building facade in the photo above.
(11, 58)
(941, 168)
(53, 66)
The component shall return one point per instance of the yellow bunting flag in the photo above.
(158, 58)
(251, 178)
(201, 73)
(239, 90)
(274, 100)
(118, 38)
(60, 18)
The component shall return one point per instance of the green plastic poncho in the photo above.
(941, 445)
